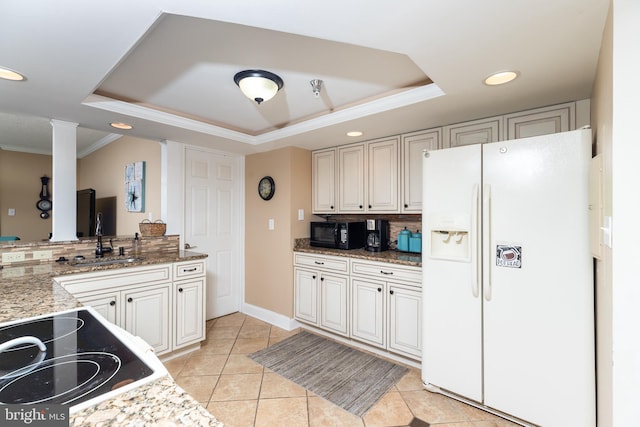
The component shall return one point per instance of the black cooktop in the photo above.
(83, 359)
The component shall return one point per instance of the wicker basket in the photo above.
(148, 228)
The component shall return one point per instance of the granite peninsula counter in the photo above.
(29, 290)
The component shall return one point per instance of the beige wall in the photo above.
(103, 170)
(20, 187)
(602, 121)
(268, 253)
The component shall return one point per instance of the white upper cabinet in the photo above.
(383, 167)
(385, 175)
(541, 121)
(323, 180)
(351, 178)
(475, 132)
(413, 145)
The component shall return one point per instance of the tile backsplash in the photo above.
(32, 252)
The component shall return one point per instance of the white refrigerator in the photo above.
(507, 278)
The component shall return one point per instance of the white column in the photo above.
(172, 154)
(63, 194)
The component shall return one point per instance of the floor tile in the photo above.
(254, 331)
(411, 381)
(323, 413)
(237, 387)
(239, 413)
(290, 412)
(274, 385)
(218, 332)
(199, 387)
(218, 346)
(204, 364)
(249, 345)
(433, 408)
(241, 364)
(391, 410)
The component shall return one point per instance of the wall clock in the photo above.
(266, 188)
(44, 205)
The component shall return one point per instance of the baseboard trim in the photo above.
(271, 317)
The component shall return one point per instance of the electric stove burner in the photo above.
(82, 359)
(62, 379)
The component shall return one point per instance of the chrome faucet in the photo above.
(100, 250)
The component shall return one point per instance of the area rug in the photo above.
(349, 378)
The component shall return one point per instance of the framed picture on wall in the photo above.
(134, 186)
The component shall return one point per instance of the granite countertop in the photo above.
(390, 256)
(29, 290)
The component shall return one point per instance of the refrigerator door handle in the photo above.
(475, 233)
(486, 201)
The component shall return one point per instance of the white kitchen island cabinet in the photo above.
(146, 301)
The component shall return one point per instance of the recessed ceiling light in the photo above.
(354, 133)
(119, 125)
(8, 74)
(501, 78)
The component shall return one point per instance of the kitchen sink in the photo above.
(105, 261)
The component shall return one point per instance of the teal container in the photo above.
(403, 240)
(415, 242)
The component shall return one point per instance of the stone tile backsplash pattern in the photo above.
(87, 247)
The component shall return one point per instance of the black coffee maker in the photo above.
(377, 235)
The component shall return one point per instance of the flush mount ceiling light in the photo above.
(120, 125)
(501, 78)
(7, 74)
(354, 133)
(258, 85)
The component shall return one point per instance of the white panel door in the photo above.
(189, 322)
(538, 315)
(212, 224)
(452, 305)
(405, 320)
(351, 178)
(306, 295)
(368, 320)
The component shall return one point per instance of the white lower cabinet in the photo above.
(320, 292)
(376, 303)
(147, 302)
(148, 316)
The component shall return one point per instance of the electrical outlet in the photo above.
(12, 257)
(43, 254)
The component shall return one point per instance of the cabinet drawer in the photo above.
(89, 282)
(387, 271)
(325, 262)
(187, 269)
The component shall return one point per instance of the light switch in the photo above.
(272, 224)
(12, 212)
(300, 214)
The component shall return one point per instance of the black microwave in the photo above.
(338, 235)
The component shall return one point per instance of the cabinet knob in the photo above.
(129, 299)
(179, 289)
(321, 279)
(314, 276)
(406, 205)
(391, 292)
(331, 207)
(369, 206)
(360, 206)
(379, 289)
(112, 303)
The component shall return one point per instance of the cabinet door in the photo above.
(306, 296)
(148, 316)
(107, 305)
(382, 182)
(541, 121)
(413, 145)
(351, 178)
(405, 317)
(334, 303)
(190, 323)
(323, 179)
(367, 322)
(475, 132)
